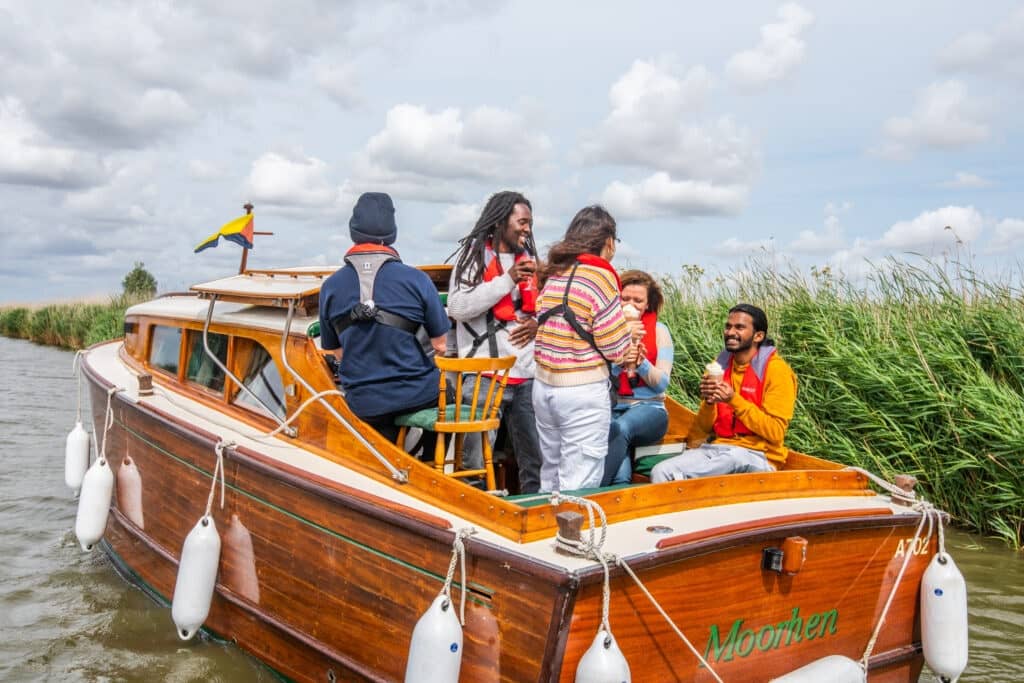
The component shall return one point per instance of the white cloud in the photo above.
(648, 127)
(200, 169)
(943, 116)
(779, 53)
(998, 52)
(419, 154)
(963, 180)
(28, 158)
(829, 240)
(292, 181)
(739, 249)
(659, 195)
(1009, 233)
(933, 229)
(339, 82)
(456, 222)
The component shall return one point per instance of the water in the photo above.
(67, 616)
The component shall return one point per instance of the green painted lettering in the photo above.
(741, 649)
(763, 644)
(796, 625)
(811, 630)
(828, 619)
(716, 650)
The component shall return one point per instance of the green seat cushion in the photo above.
(427, 418)
(313, 330)
(529, 500)
(645, 464)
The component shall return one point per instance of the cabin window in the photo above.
(201, 368)
(166, 348)
(259, 374)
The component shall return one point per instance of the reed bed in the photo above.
(69, 325)
(920, 370)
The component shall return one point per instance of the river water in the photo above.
(66, 615)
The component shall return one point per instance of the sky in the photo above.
(815, 133)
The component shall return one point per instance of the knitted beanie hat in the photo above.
(373, 219)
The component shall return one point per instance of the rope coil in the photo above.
(458, 554)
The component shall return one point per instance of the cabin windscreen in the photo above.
(201, 368)
(260, 375)
(166, 348)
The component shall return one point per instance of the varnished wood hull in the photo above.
(336, 580)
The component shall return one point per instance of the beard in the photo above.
(740, 344)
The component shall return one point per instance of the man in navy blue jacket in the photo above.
(383, 320)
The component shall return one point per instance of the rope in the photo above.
(108, 422)
(929, 516)
(218, 469)
(458, 553)
(76, 369)
(696, 653)
(592, 548)
(895, 491)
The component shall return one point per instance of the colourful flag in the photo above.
(238, 231)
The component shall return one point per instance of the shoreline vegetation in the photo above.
(919, 371)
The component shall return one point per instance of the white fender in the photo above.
(601, 664)
(129, 491)
(834, 669)
(435, 653)
(944, 617)
(76, 456)
(197, 576)
(94, 504)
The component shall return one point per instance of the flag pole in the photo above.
(245, 252)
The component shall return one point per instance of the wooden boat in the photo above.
(335, 541)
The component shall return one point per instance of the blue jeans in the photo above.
(639, 424)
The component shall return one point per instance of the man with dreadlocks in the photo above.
(492, 299)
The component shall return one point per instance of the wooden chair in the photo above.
(479, 415)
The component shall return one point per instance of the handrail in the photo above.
(398, 475)
(290, 431)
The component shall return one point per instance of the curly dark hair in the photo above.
(469, 267)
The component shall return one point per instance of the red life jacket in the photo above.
(726, 423)
(505, 309)
(650, 340)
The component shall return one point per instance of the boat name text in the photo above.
(740, 642)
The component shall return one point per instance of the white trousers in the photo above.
(572, 428)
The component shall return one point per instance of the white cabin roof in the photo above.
(300, 286)
(189, 307)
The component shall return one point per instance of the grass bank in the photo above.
(69, 325)
(919, 371)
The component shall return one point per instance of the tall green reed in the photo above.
(918, 370)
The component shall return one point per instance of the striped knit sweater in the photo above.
(563, 359)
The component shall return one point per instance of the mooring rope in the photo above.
(593, 548)
(108, 421)
(458, 554)
(929, 516)
(218, 469)
(76, 369)
(895, 491)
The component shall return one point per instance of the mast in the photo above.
(245, 252)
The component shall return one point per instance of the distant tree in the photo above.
(139, 282)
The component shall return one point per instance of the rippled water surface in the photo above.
(67, 616)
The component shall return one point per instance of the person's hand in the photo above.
(632, 357)
(524, 332)
(715, 391)
(522, 269)
(636, 331)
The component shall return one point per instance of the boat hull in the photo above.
(321, 581)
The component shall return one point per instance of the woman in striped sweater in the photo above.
(581, 330)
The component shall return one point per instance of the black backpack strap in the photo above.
(563, 309)
(489, 336)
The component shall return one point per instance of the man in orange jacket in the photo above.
(743, 414)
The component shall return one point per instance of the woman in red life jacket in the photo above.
(581, 330)
(492, 298)
(639, 417)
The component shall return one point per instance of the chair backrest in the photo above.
(481, 411)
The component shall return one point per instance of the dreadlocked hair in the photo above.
(587, 233)
(470, 265)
